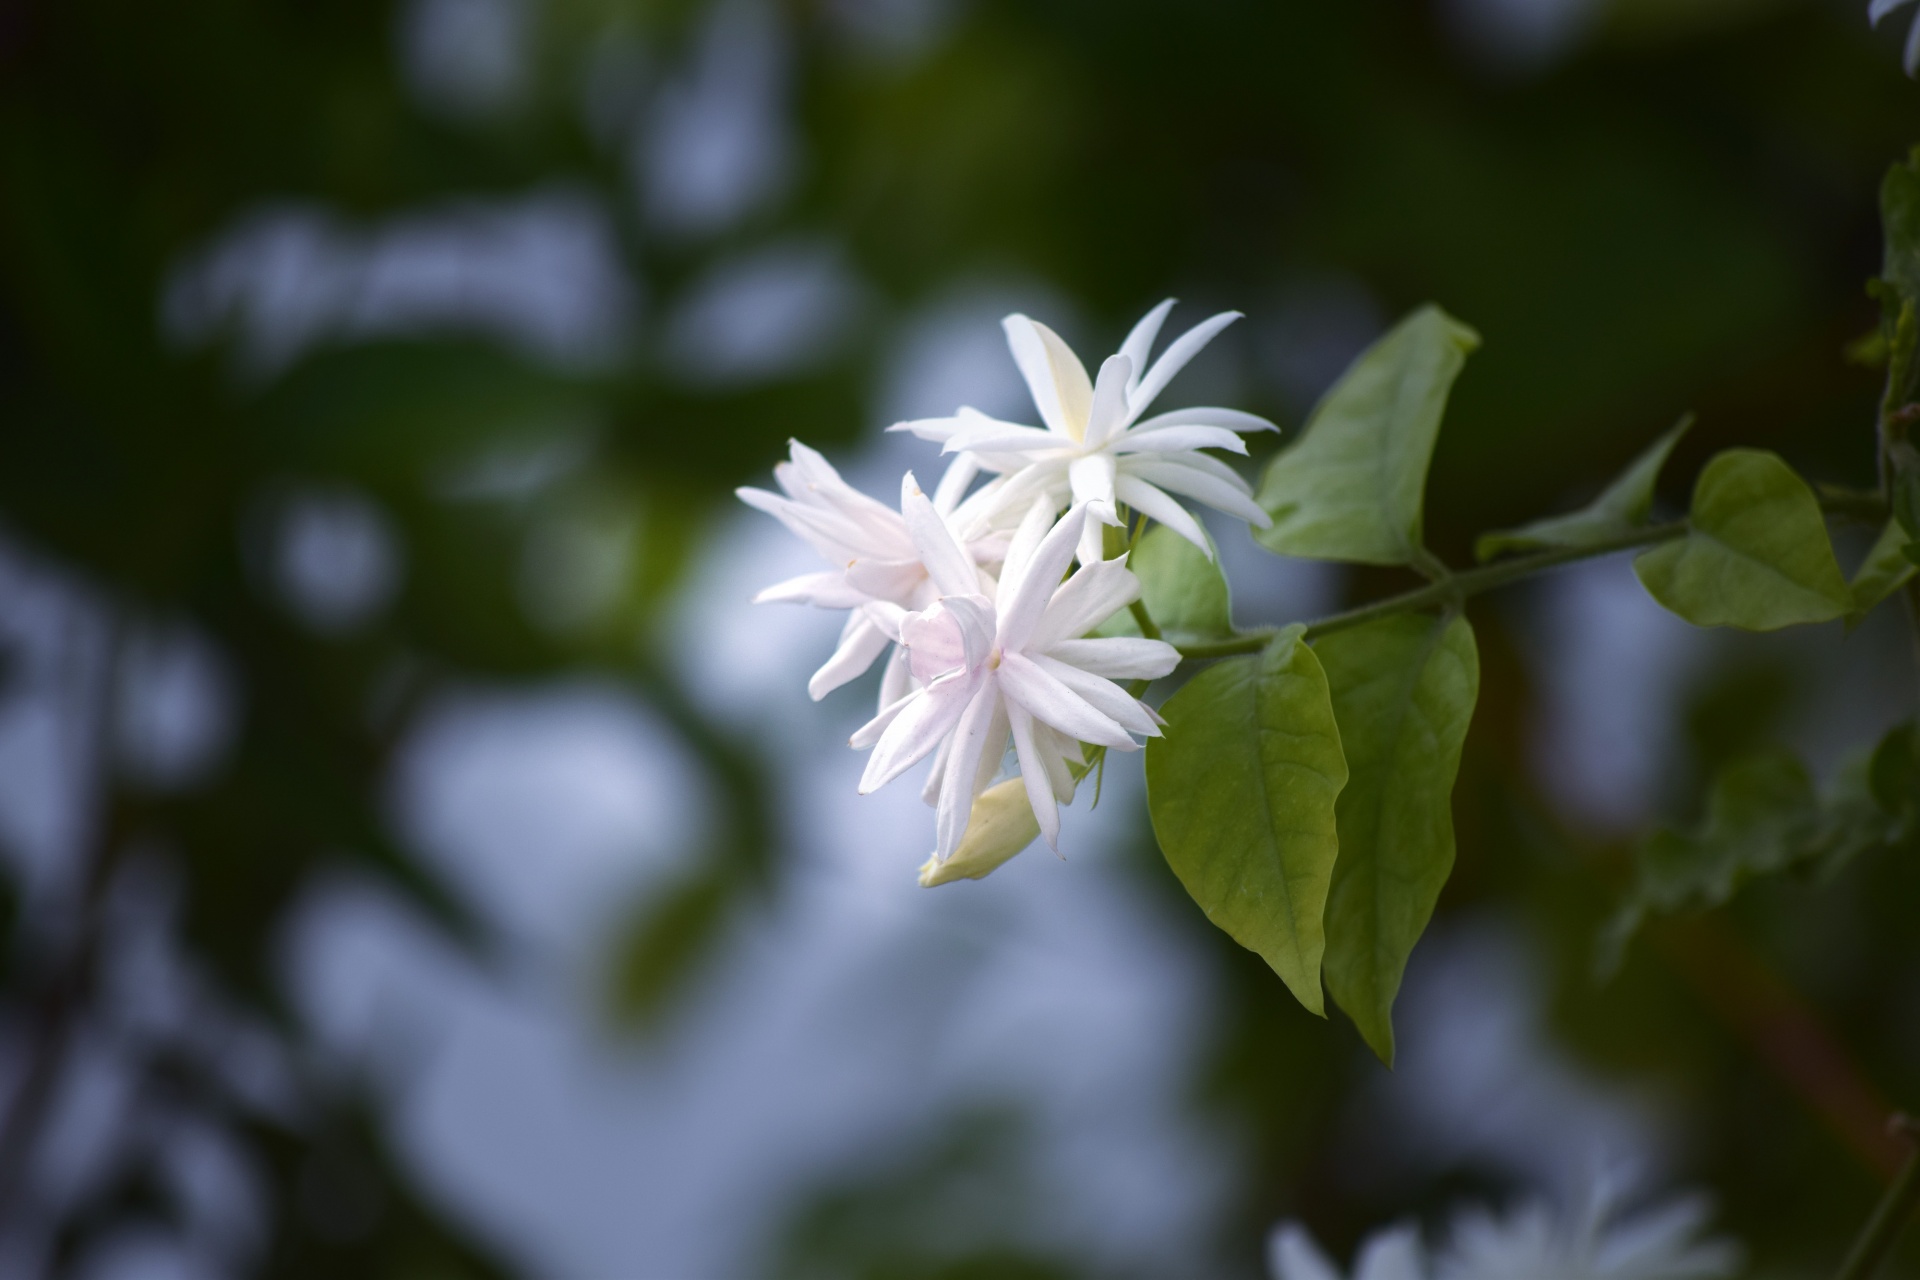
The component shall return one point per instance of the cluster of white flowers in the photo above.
(969, 588)
(1530, 1243)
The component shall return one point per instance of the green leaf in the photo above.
(1756, 553)
(1242, 791)
(1403, 693)
(1885, 570)
(1621, 508)
(1352, 488)
(1184, 592)
(1763, 818)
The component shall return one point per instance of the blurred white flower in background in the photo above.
(1531, 1242)
(1880, 9)
(1094, 449)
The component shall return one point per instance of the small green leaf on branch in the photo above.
(1352, 488)
(1403, 694)
(1886, 569)
(1242, 791)
(1756, 554)
(1623, 506)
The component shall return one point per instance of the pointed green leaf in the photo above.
(1756, 554)
(1242, 791)
(1885, 570)
(1184, 592)
(1621, 508)
(1403, 693)
(1353, 486)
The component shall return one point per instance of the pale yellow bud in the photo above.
(1000, 825)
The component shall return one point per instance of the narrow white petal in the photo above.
(1092, 595)
(1060, 753)
(1207, 416)
(1391, 1254)
(1118, 657)
(927, 716)
(1174, 359)
(931, 428)
(895, 580)
(1091, 477)
(870, 732)
(832, 540)
(1109, 399)
(1139, 343)
(1026, 540)
(1042, 373)
(1104, 696)
(1179, 440)
(998, 437)
(860, 643)
(1035, 579)
(948, 563)
(822, 483)
(1227, 493)
(1093, 542)
(1144, 498)
(1912, 58)
(1881, 8)
(1293, 1255)
(822, 590)
(896, 678)
(1204, 463)
(937, 775)
(1034, 773)
(962, 769)
(954, 484)
(1023, 683)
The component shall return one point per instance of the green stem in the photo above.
(1448, 590)
(1877, 1238)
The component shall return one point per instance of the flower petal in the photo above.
(1059, 383)
(957, 790)
(1104, 696)
(1083, 602)
(1024, 684)
(1109, 400)
(1118, 657)
(1035, 578)
(860, 643)
(1060, 753)
(1227, 493)
(1143, 497)
(827, 590)
(1174, 359)
(1204, 416)
(954, 484)
(1139, 343)
(1034, 773)
(913, 731)
(948, 563)
(1881, 8)
(1034, 527)
(1179, 440)
(896, 678)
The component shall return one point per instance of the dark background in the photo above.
(421, 862)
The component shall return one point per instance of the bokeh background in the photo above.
(421, 860)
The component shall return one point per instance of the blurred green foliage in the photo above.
(1677, 214)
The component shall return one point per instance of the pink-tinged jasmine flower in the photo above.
(1017, 665)
(876, 566)
(1095, 450)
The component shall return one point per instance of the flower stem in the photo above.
(1447, 590)
(1876, 1239)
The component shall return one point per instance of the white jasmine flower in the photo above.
(1880, 9)
(1095, 449)
(1393, 1254)
(1530, 1243)
(1659, 1243)
(875, 563)
(1017, 666)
